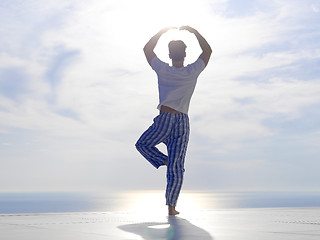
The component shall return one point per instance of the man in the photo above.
(171, 127)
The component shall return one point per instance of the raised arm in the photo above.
(204, 45)
(151, 44)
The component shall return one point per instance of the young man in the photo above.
(176, 85)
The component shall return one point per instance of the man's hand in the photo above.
(166, 29)
(188, 28)
(206, 49)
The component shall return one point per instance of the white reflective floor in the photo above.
(235, 224)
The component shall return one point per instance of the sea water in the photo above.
(57, 202)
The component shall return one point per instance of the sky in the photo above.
(76, 92)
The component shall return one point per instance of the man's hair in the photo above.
(177, 50)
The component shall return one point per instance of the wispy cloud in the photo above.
(74, 83)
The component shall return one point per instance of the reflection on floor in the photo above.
(174, 228)
(231, 224)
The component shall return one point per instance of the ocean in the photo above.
(59, 202)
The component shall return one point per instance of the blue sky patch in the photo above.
(13, 83)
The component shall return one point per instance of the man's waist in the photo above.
(168, 109)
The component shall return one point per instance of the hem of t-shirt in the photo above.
(159, 107)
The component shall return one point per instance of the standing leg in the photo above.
(177, 147)
(155, 134)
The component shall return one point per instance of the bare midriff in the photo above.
(168, 109)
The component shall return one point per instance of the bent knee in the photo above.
(138, 145)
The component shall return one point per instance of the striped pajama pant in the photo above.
(172, 130)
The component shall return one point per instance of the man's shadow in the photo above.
(175, 229)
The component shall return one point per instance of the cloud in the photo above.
(251, 65)
(75, 88)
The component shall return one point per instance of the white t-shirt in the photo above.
(176, 85)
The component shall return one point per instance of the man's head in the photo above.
(177, 50)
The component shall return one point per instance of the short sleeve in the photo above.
(199, 65)
(157, 64)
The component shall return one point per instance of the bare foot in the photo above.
(172, 210)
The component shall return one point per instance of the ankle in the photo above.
(172, 210)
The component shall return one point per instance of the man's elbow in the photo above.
(209, 49)
(209, 52)
(146, 49)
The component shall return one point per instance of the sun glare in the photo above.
(153, 202)
(148, 17)
(165, 12)
(143, 201)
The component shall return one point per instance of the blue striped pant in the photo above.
(172, 129)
